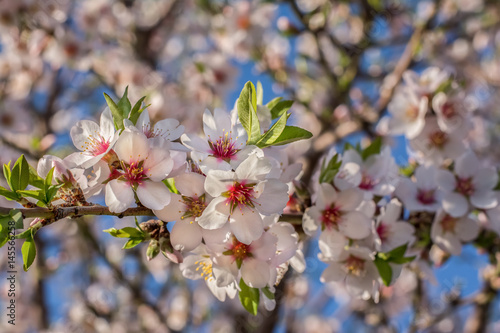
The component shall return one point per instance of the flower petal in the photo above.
(153, 195)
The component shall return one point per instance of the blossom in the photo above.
(198, 264)
(449, 232)
(337, 210)
(225, 137)
(390, 232)
(470, 184)
(142, 170)
(377, 175)
(436, 145)
(241, 196)
(450, 111)
(186, 208)
(427, 82)
(407, 114)
(356, 269)
(93, 140)
(423, 194)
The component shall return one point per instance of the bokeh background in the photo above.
(340, 61)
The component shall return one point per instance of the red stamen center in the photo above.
(331, 216)
(383, 231)
(135, 173)
(96, 145)
(367, 183)
(223, 148)
(354, 265)
(239, 194)
(448, 223)
(426, 197)
(438, 139)
(465, 186)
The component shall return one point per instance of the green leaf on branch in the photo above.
(17, 217)
(291, 134)
(115, 112)
(4, 229)
(35, 179)
(29, 251)
(330, 170)
(7, 173)
(9, 195)
(384, 269)
(373, 149)
(260, 93)
(249, 297)
(170, 182)
(137, 110)
(268, 293)
(273, 102)
(273, 133)
(279, 108)
(132, 242)
(247, 112)
(20, 174)
(127, 232)
(124, 104)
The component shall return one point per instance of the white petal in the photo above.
(486, 179)
(246, 225)
(349, 199)
(311, 220)
(153, 195)
(185, 236)
(355, 225)
(484, 199)
(253, 168)
(455, 204)
(107, 129)
(255, 273)
(131, 146)
(218, 181)
(214, 216)
(81, 132)
(265, 247)
(173, 211)
(446, 180)
(273, 196)
(119, 196)
(190, 184)
(349, 176)
(334, 272)
(332, 243)
(466, 166)
(467, 229)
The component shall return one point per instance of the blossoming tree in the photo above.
(381, 167)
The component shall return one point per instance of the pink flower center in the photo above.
(239, 194)
(448, 223)
(426, 197)
(383, 231)
(465, 186)
(96, 145)
(367, 183)
(150, 131)
(223, 148)
(412, 112)
(448, 110)
(135, 173)
(240, 251)
(354, 265)
(438, 139)
(331, 217)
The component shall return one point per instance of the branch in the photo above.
(95, 210)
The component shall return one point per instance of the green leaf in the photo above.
(132, 242)
(124, 104)
(23, 235)
(260, 93)
(37, 194)
(153, 249)
(273, 102)
(385, 270)
(17, 217)
(247, 112)
(329, 170)
(136, 111)
(291, 134)
(273, 133)
(29, 252)
(249, 298)
(4, 229)
(20, 174)
(127, 232)
(51, 193)
(402, 260)
(34, 178)
(9, 194)
(268, 293)
(398, 252)
(170, 182)
(372, 149)
(48, 180)
(280, 108)
(115, 112)
(7, 173)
